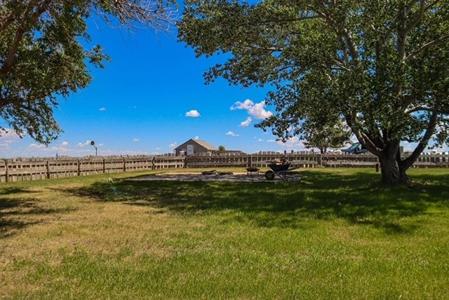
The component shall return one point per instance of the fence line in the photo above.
(35, 169)
(12, 170)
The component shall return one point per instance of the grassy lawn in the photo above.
(338, 234)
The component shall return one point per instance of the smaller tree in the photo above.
(325, 136)
(221, 148)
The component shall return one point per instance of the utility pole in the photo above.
(92, 143)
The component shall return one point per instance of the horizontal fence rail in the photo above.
(34, 169)
(12, 170)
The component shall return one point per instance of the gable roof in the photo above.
(199, 142)
(205, 144)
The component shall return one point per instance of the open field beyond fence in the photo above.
(335, 235)
(12, 170)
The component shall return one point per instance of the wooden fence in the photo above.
(13, 170)
(306, 160)
(34, 169)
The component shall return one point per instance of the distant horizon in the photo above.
(89, 152)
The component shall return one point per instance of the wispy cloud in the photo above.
(231, 133)
(247, 122)
(193, 113)
(292, 143)
(102, 109)
(84, 144)
(62, 148)
(136, 140)
(7, 133)
(35, 146)
(7, 138)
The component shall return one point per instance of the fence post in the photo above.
(124, 164)
(104, 165)
(48, 169)
(153, 163)
(6, 171)
(78, 171)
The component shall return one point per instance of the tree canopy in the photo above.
(381, 66)
(43, 54)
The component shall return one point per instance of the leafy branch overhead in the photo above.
(42, 57)
(381, 66)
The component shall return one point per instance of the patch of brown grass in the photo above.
(48, 223)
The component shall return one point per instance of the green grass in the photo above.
(337, 234)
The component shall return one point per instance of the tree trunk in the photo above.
(393, 173)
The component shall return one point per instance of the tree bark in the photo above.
(392, 171)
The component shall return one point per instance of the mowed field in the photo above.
(336, 235)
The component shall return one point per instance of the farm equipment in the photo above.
(283, 170)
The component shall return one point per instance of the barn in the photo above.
(195, 147)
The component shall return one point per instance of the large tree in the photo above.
(43, 54)
(381, 65)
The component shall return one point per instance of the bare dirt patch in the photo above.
(194, 177)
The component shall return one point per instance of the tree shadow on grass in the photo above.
(18, 211)
(356, 198)
(5, 191)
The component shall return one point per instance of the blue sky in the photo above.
(138, 102)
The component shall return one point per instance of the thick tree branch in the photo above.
(362, 137)
(408, 162)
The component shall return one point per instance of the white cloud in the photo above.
(292, 143)
(246, 105)
(7, 137)
(247, 122)
(256, 110)
(193, 114)
(136, 140)
(231, 133)
(196, 137)
(35, 149)
(9, 134)
(173, 145)
(64, 148)
(102, 109)
(35, 146)
(86, 143)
